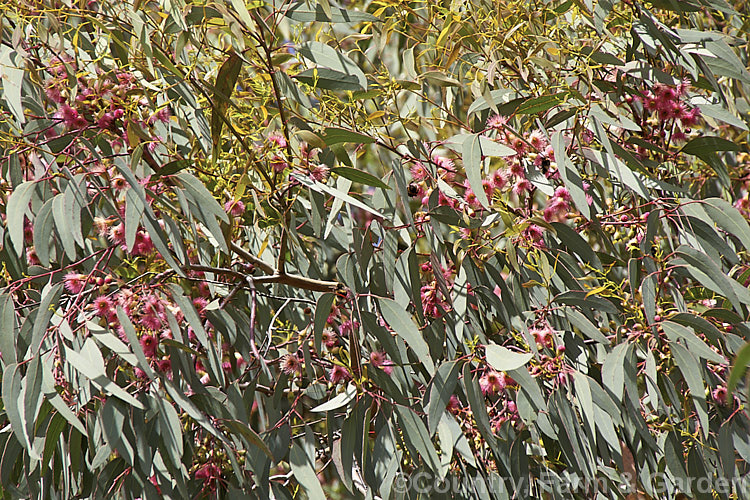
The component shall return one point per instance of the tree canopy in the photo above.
(381, 249)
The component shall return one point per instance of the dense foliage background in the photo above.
(477, 248)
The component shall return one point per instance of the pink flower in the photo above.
(378, 359)
(519, 145)
(320, 172)
(555, 210)
(162, 115)
(543, 336)
(418, 172)
(499, 179)
(346, 327)
(510, 406)
(210, 474)
(443, 162)
(432, 300)
(117, 234)
(562, 193)
(150, 321)
(106, 121)
(234, 208)
(492, 382)
(537, 140)
(165, 365)
(517, 169)
(74, 282)
(149, 343)
(290, 364)
(339, 374)
(143, 244)
(103, 306)
(278, 163)
(119, 183)
(330, 339)
(720, 395)
(277, 138)
(453, 404)
(683, 87)
(200, 304)
(54, 93)
(534, 233)
(690, 118)
(496, 122)
(31, 257)
(586, 188)
(70, 117)
(522, 186)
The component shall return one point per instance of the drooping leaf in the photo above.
(225, 82)
(398, 319)
(360, 177)
(503, 359)
(328, 57)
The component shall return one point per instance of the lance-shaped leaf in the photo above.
(326, 56)
(322, 188)
(471, 154)
(402, 323)
(225, 82)
(90, 364)
(16, 209)
(503, 359)
(416, 434)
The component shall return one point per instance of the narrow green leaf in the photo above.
(16, 209)
(613, 369)
(322, 310)
(691, 371)
(328, 79)
(11, 75)
(322, 188)
(303, 468)
(12, 393)
(441, 389)
(361, 177)
(541, 104)
(248, 433)
(503, 359)
(43, 229)
(301, 12)
(7, 329)
(727, 217)
(709, 144)
(741, 362)
(416, 433)
(333, 135)
(326, 56)
(398, 319)
(338, 401)
(472, 158)
(64, 225)
(225, 81)
(133, 212)
(171, 430)
(694, 343)
(90, 364)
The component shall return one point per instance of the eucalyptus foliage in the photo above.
(382, 249)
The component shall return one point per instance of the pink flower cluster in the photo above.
(101, 103)
(665, 102)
